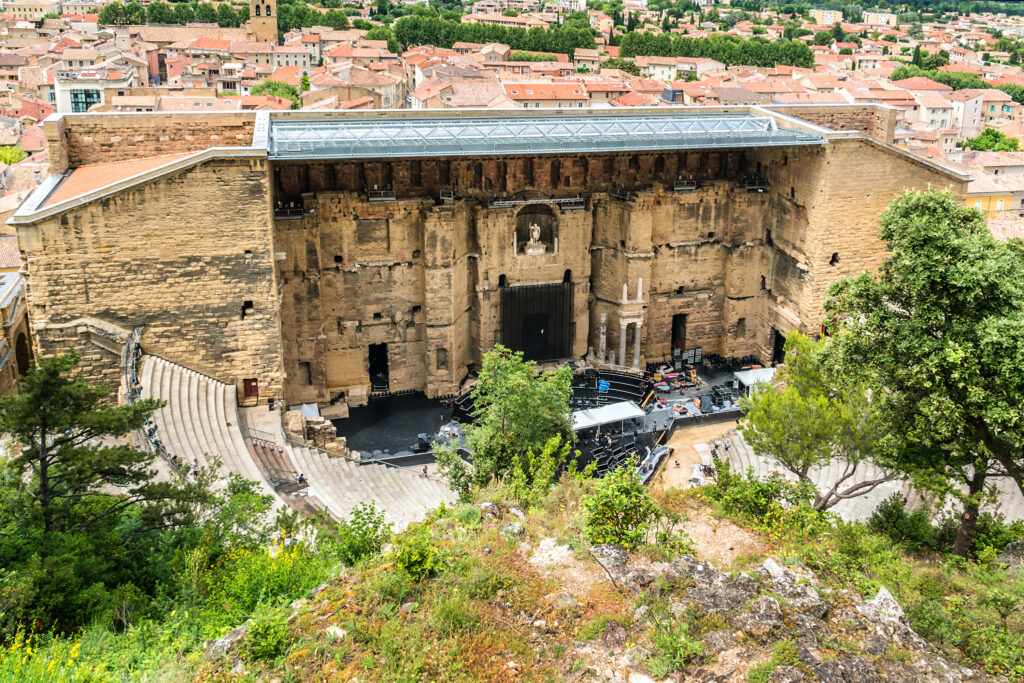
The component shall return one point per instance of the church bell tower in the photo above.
(262, 25)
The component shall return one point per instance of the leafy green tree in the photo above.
(516, 411)
(159, 13)
(520, 56)
(226, 16)
(531, 477)
(384, 33)
(278, 89)
(112, 13)
(184, 13)
(1014, 90)
(627, 65)
(809, 420)
(939, 332)
(205, 13)
(64, 465)
(823, 38)
(135, 13)
(992, 140)
(620, 509)
(918, 58)
(12, 154)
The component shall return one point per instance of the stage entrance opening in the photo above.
(378, 367)
(537, 320)
(778, 347)
(678, 334)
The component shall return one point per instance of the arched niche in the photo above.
(536, 230)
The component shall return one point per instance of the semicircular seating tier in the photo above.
(199, 419)
(405, 495)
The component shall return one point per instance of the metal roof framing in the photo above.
(368, 138)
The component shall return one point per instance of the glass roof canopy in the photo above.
(384, 138)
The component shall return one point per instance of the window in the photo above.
(977, 203)
(834, 261)
(247, 308)
(741, 327)
(999, 205)
(81, 100)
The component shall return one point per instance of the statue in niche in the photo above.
(534, 246)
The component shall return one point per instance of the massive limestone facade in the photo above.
(319, 257)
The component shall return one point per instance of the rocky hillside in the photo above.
(487, 592)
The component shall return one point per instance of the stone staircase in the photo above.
(404, 495)
(272, 456)
(200, 419)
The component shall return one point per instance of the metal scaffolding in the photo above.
(385, 138)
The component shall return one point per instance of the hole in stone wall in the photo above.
(834, 261)
(567, 277)
(679, 290)
(248, 255)
(247, 308)
(622, 244)
(416, 309)
(711, 235)
(764, 283)
(502, 281)
(792, 193)
(741, 327)
(377, 316)
(338, 260)
(441, 356)
(416, 254)
(768, 238)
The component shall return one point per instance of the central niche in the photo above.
(536, 230)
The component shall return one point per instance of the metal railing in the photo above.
(755, 183)
(284, 481)
(385, 195)
(289, 211)
(576, 203)
(681, 185)
(276, 439)
(620, 193)
(133, 392)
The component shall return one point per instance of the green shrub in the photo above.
(266, 639)
(755, 498)
(619, 510)
(362, 535)
(673, 648)
(913, 529)
(416, 553)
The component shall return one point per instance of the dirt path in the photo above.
(682, 443)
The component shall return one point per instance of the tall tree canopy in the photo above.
(516, 412)
(810, 418)
(940, 330)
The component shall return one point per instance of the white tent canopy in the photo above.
(613, 412)
(750, 378)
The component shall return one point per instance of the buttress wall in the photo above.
(188, 256)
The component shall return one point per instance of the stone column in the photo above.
(602, 341)
(622, 341)
(636, 345)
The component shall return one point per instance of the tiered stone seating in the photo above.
(404, 495)
(200, 418)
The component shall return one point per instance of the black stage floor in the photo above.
(391, 424)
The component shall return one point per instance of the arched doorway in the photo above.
(22, 353)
